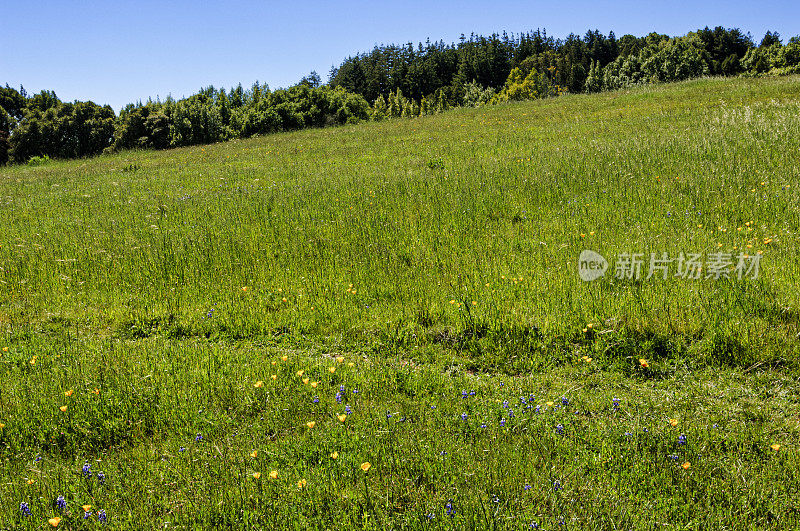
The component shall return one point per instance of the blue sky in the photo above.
(120, 52)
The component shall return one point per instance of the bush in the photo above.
(476, 96)
(38, 161)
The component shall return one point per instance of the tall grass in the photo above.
(436, 254)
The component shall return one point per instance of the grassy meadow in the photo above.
(382, 325)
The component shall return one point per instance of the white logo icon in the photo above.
(591, 265)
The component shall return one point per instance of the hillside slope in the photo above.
(383, 325)
(491, 205)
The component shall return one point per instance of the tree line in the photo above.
(390, 81)
(481, 69)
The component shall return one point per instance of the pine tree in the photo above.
(379, 109)
(594, 81)
(441, 101)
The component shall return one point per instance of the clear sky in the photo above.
(119, 52)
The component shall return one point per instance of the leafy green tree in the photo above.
(43, 101)
(730, 66)
(312, 80)
(63, 130)
(762, 59)
(5, 127)
(770, 38)
(725, 47)
(13, 101)
(675, 60)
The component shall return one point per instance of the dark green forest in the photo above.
(389, 81)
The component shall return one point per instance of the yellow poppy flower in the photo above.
(311, 424)
(284, 358)
(274, 474)
(300, 374)
(673, 422)
(54, 521)
(86, 508)
(301, 484)
(686, 465)
(259, 384)
(305, 381)
(63, 409)
(331, 370)
(342, 417)
(274, 376)
(776, 447)
(365, 466)
(339, 359)
(68, 393)
(254, 453)
(335, 455)
(257, 475)
(314, 384)
(643, 363)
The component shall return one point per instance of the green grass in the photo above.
(437, 255)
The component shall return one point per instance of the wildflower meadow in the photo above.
(383, 325)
